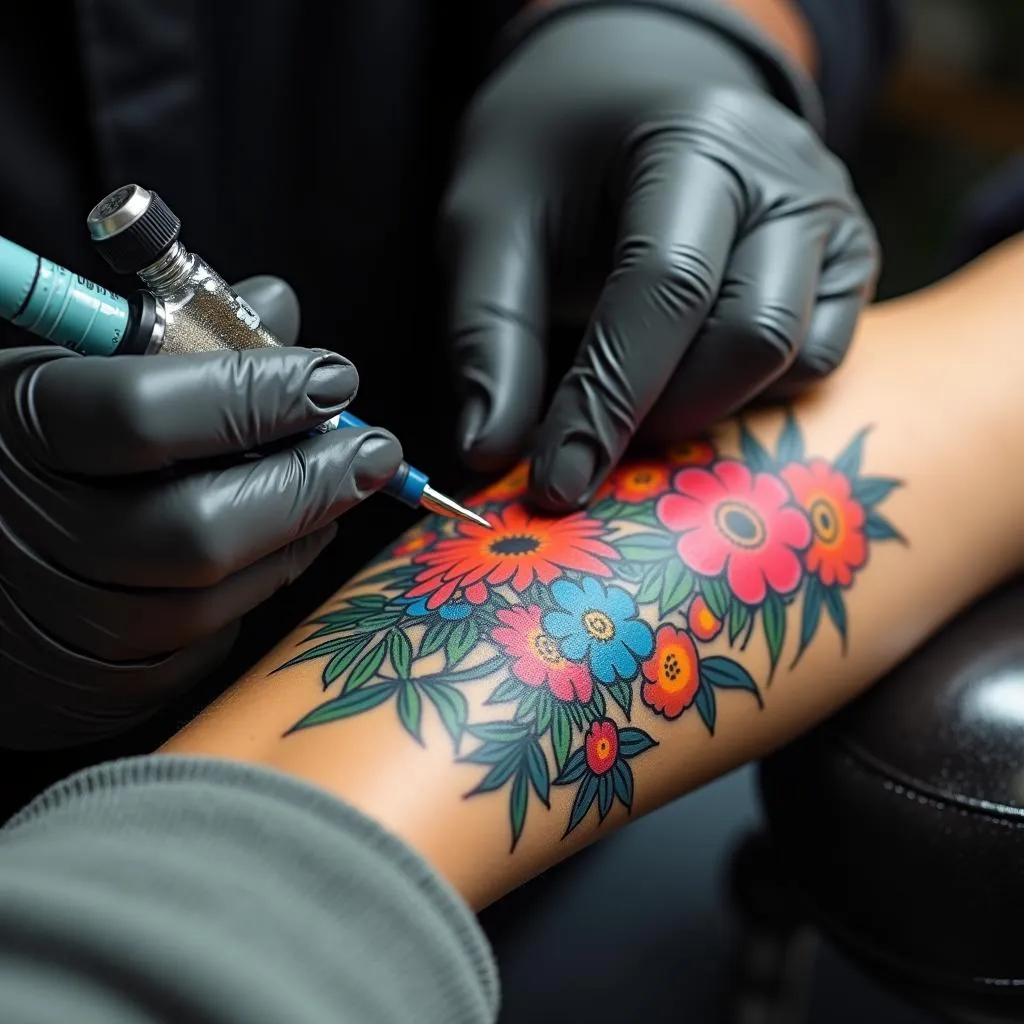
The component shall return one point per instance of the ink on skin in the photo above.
(719, 550)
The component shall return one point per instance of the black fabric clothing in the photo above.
(992, 213)
(858, 43)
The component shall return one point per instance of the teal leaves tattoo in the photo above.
(548, 619)
(512, 752)
(347, 705)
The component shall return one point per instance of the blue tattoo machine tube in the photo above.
(411, 486)
(48, 300)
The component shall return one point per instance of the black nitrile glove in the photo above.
(649, 167)
(133, 534)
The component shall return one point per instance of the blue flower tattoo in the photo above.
(599, 624)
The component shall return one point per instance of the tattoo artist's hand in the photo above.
(628, 168)
(133, 532)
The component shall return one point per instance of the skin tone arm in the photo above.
(500, 699)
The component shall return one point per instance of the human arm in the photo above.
(650, 177)
(925, 428)
(277, 901)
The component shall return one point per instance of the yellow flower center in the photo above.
(825, 520)
(598, 625)
(545, 648)
(740, 524)
(603, 749)
(675, 671)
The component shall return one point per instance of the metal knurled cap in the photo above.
(132, 228)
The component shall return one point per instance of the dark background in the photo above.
(952, 117)
(641, 928)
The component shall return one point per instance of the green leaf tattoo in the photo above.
(400, 650)
(774, 613)
(452, 708)
(410, 709)
(367, 666)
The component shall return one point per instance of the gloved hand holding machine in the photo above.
(186, 307)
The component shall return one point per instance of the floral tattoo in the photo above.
(549, 610)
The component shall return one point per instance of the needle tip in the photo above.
(440, 503)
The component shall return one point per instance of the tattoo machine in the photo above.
(185, 307)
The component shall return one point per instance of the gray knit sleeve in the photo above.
(184, 889)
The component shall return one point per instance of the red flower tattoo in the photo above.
(743, 524)
(518, 550)
(637, 482)
(702, 621)
(602, 746)
(538, 661)
(838, 548)
(672, 673)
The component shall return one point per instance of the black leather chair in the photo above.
(897, 829)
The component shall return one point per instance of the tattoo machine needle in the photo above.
(411, 486)
(185, 307)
